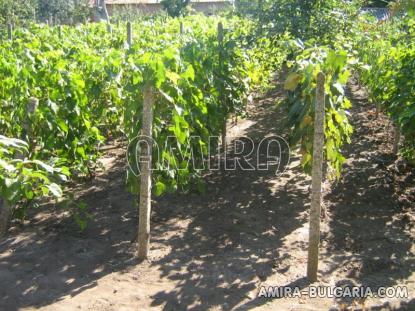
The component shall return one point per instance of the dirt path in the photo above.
(213, 251)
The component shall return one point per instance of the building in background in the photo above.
(154, 6)
(381, 14)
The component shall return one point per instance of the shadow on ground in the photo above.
(363, 209)
(216, 247)
(225, 247)
(235, 229)
(50, 258)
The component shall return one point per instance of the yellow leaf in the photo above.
(292, 81)
(306, 121)
(173, 77)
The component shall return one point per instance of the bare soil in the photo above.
(213, 250)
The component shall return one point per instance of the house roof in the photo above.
(380, 13)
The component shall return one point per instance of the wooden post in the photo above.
(50, 20)
(129, 34)
(145, 170)
(5, 215)
(181, 28)
(397, 139)
(317, 178)
(104, 10)
(225, 118)
(260, 13)
(60, 31)
(27, 125)
(10, 32)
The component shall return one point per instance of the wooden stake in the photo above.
(396, 140)
(10, 32)
(224, 129)
(129, 34)
(260, 13)
(5, 215)
(181, 28)
(31, 108)
(105, 11)
(60, 31)
(145, 169)
(317, 178)
(377, 110)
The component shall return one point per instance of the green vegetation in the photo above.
(175, 8)
(12, 11)
(387, 55)
(23, 12)
(381, 53)
(301, 84)
(89, 87)
(88, 84)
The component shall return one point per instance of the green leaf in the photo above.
(8, 167)
(159, 188)
(43, 165)
(339, 88)
(55, 190)
(62, 125)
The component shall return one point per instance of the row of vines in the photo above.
(381, 55)
(67, 91)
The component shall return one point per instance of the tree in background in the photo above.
(12, 11)
(303, 19)
(175, 8)
(23, 11)
(403, 6)
(101, 11)
(66, 11)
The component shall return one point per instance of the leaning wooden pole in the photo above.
(109, 28)
(10, 32)
(223, 102)
(129, 34)
(396, 139)
(317, 179)
(5, 215)
(105, 11)
(145, 170)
